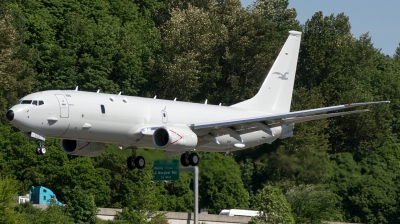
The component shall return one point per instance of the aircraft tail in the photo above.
(275, 94)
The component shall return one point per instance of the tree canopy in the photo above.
(345, 168)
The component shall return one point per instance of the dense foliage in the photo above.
(344, 169)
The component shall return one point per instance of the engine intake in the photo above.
(82, 148)
(175, 137)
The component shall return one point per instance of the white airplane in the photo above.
(85, 121)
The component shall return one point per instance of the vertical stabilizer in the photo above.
(275, 94)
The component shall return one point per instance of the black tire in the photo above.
(130, 163)
(184, 160)
(43, 151)
(194, 159)
(140, 162)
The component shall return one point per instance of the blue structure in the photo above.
(43, 196)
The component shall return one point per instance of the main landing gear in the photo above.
(139, 162)
(41, 150)
(135, 161)
(188, 158)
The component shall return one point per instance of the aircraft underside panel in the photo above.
(227, 143)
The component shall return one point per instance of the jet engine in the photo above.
(175, 137)
(82, 148)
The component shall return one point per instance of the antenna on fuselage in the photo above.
(155, 97)
(98, 91)
(119, 93)
(205, 102)
(219, 104)
(175, 99)
(76, 89)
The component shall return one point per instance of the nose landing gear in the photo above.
(188, 158)
(41, 150)
(135, 161)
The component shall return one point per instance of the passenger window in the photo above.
(19, 101)
(41, 102)
(103, 109)
(34, 102)
(26, 102)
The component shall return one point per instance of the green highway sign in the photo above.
(166, 169)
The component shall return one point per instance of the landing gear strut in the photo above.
(188, 158)
(135, 161)
(41, 150)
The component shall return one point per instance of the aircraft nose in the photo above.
(10, 115)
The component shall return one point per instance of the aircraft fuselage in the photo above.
(120, 119)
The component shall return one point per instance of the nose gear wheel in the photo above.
(41, 150)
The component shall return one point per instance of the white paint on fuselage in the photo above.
(123, 118)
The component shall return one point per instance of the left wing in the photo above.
(286, 118)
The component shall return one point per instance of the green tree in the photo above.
(247, 172)
(378, 194)
(272, 206)
(219, 51)
(369, 189)
(52, 214)
(190, 41)
(81, 206)
(313, 204)
(396, 55)
(103, 45)
(343, 68)
(112, 169)
(140, 197)
(300, 159)
(8, 190)
(178, 195)
(80, 172)
(220, 184)
(24, 164)
(16, 74)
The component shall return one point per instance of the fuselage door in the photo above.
(64, 107)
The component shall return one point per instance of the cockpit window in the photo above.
(26, 102)
(33, 102)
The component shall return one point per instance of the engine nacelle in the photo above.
(175, 137)
(82, 148)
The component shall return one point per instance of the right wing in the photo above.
(291, 117)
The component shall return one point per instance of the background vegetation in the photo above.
(341, 169)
